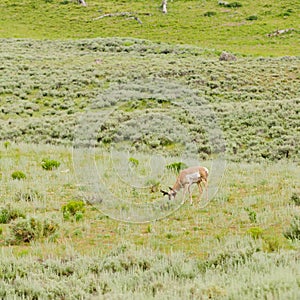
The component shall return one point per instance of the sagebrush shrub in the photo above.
(295, 198)
(272, 243)
(28, 196)
(8, 214)
(153, 185)
(293, 233)
(26, 230)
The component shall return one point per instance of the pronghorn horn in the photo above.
(171, 189)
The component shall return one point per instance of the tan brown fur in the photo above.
(186, 178)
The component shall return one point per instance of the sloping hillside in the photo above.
(48, 85)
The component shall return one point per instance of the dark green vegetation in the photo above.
(223, 26)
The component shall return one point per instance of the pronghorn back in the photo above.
(203, 171)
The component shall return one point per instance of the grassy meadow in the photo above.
(241, 27)
(97, 115)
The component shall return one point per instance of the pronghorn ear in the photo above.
(171, 189)
(164, 192)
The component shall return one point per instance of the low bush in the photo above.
(28, 196)
(252, 18)
(50, 164)
(210, 14)
(18, 175)
(6, 144)
(230, 4)
(293, 232)
(8, 214)
(133, 161)
(153, 185)
(176, 166)
(295, 198)
(255, 232)
(235, 252)
(73, 209)
(26, 230)
(234, 5)
(272, 243)
(252, 214)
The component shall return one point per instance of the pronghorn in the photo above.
(186, 178)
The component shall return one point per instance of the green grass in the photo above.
(148, 96)
(185, 23)
(240, 233)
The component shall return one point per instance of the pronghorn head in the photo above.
(171, 194)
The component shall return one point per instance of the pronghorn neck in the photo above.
(177, 186)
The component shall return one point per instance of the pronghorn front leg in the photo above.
(184, 194)
(205, 181)
(200, 190)
(190, 194)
